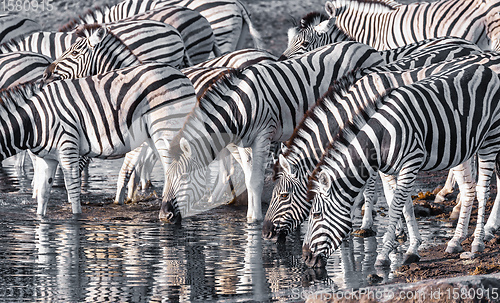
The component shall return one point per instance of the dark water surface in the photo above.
(214, 256)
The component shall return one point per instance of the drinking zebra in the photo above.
(12, 26)
(369, 22)
(195, 30)
(148, 40)
(229, 19)
(288, 207)
(251, 108)
(101, 116)
(137, 167)
(433, 124)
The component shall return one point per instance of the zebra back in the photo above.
(21, 67)
(195, 29)
(288, 207)
(12, 26)
(368, 22)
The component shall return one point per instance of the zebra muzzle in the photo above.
(311, 259)
(169, 214)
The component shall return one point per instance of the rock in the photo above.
(467, 255)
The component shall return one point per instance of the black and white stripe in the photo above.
(21, 67)
(288, 207)
(433, 124)
(148, 40)
(196, 32)
(229, 19)
(101, 116)
(388, 24)
(252, 108)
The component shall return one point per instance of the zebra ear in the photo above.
(185, 147)
(330, 9)
(325, 26)
(98, 36)
(285, 164)
(324, 181)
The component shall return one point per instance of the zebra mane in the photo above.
(367, 6)
(344, 137)
(311, 19)
(335, 91)
(86, 30)
(9, 97)
(89, 17)
(215, 89)
(13, 43)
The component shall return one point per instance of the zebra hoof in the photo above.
(477, 246)
(411, 258)
(489, 233)
(364, 233)
(453, 248)
(383, 263)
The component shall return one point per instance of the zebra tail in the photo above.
(254, 33)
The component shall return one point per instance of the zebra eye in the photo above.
(306, 43)
(74, 53)
(317, 216)
(284, 196)
(184, 177)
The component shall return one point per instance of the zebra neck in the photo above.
(50, 44)
(114, 51)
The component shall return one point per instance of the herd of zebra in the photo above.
(366, 88)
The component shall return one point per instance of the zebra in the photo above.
(288, 208)
(12, 26)
(229, 19)
(202, 76)
(368, 22)
(100, 116)
(402, 133)
(493, 27)
(21, 67)
(251, 108)
(196, 32)
(148, 40)
(97, 51)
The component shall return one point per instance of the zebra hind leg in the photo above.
(493, 223)
(463, 176)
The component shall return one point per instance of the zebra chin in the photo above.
(169, 213)
(312, 260)
(269, 232)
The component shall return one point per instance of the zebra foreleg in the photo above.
(402, 198)
(494, 219)
(45, 170)
(69, 163)
(463, 175)
(254, 169)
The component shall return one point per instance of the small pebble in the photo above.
(467, 255)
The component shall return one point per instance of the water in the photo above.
(214, 256)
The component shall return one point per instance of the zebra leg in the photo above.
(147, 167)
(447, 188)
(254, 176)
(486, 168)
(44, 173)
(366, 229)
(494, 219)
(126, 170)
(466, 186)
(402, 197)
(69, 163)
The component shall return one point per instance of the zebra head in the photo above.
(315, 30)
(329, 220)
(288, 207)
(75, 62)
(184, 181)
